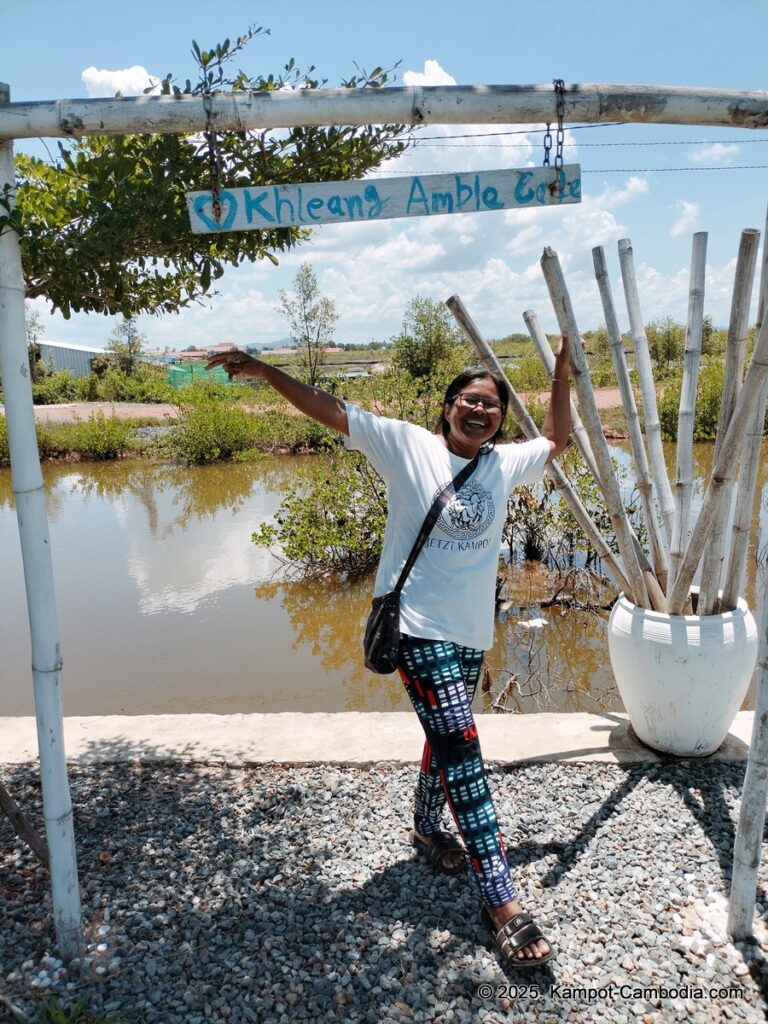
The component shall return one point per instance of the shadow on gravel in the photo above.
(211, 894)
(217, 894)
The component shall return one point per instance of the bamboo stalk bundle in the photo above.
(561, 302)
(750, 461)
(712, 566)
(581, 439)
(529, 428)
(647, 390)
(580, 436)
(687, 408)
(642, 471)
(716, 494)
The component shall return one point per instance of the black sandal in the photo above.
(514, 935)
(436, 846)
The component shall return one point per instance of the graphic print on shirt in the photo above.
(469, 513)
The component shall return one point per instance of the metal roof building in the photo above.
(63, 356)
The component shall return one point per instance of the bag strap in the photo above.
(437, 507)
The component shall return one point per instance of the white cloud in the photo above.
(715, 153)
(128, 81)
(433, 74)
(688, 219)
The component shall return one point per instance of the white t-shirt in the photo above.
(449, 594)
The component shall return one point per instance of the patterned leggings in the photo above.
(441, 679)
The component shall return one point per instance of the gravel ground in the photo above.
(280, 894)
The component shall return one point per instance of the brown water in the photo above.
(166, 606)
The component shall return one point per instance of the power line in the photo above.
(593, 170)
(584, 145)
(519, 131)
(667, 170)
(446, 140)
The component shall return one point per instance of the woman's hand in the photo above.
(237, 363)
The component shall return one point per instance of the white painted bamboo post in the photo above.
(561, 302)
(647, 389)
(712, 565)
(38, 576)
(748, 845)
(529, 428)
(716, 494)
(581, 439)
(639, 456)
(687, 408)
(735, 575)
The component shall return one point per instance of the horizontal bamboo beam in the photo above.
(414, 105)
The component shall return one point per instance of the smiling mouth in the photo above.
(477, 423)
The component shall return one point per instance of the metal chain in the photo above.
(559, 85)
(547, 145)
(214, 159)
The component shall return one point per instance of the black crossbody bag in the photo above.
(381, 643)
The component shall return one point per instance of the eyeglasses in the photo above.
(470, 401)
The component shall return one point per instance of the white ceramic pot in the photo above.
(682, 678)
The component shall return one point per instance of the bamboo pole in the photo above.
(547, 356)
(748, 845)
(23, 826)
(712, 565)
(687, 408)
(647, 389)
(38, 577)
(642, 471)
(442, 104)
(531, 431)
(716, 494)
(561, 302)
(581, 439)
(750, 462)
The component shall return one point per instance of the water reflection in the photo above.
(165, 605)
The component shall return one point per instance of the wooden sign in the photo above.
(420, 195)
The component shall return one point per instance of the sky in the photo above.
(654, 184)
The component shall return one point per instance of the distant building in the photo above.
(63, 356)
(186, 357)
(224, 346)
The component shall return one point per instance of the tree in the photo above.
(104, 228)
(666, 341)
(310, 319)
(429, 338)
(126, 345)
(35, 330)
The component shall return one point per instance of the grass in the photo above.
(53, 1011)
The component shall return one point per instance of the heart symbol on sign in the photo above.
(228, 211)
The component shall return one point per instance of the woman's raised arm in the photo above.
(325, 408)
(557, 423)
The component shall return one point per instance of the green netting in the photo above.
(185, 373)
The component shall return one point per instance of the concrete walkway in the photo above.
(345, 738)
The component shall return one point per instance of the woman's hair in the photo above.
(459, 383)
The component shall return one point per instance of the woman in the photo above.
(446, 615)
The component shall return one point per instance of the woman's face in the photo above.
(473, 417)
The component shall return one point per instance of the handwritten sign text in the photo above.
(426, 195)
